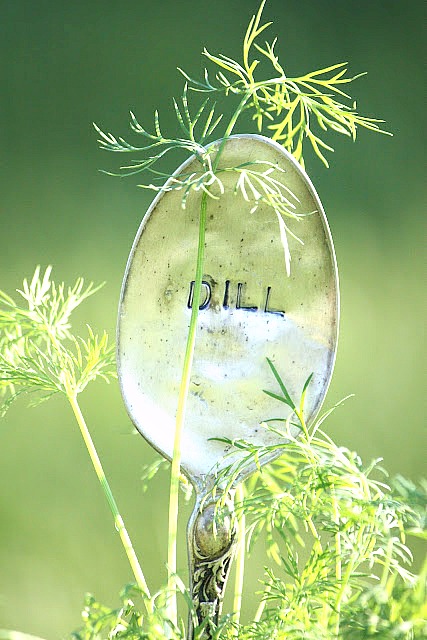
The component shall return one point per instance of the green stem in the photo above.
(180, 416)
(338, 552)
(345, 579)
(118, 520)
(230, 128)
(7, 634)
(240, 558)
(262, 604)
(171, 604)
(315, 534)
(387, 563)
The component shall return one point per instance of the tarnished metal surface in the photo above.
(250, 311)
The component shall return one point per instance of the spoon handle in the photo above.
(211, 547)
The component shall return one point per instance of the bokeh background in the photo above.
(66, 64)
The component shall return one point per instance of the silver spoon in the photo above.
(250, 310)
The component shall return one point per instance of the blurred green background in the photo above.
(66, 64)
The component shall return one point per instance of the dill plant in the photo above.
(40, 356)
(288, 107)
(337, 564)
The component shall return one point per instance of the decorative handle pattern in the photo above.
(211, 546)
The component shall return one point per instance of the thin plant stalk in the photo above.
(180, 416)
(262, 605)
(338, 565)
(240, 558)
(7, 634)
(171, 604)
(118, 520)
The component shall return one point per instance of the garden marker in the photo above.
(268, 296)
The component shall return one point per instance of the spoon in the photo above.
(251, 310)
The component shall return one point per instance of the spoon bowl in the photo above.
(250, 310)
